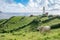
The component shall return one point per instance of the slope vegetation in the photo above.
(16, 23)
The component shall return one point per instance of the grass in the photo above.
(52, 22)
(14, 23)
(52, 35)
(2, 21)
(26, 29)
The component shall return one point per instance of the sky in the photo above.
(24, 2)
(15, 5)
(29, 5)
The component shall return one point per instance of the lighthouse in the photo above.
(43, 10)
(45, 13)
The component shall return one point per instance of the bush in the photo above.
(55, 26)
(48, 19)
(36, 21)
(58, 16)
(50, 16)
(31, 15)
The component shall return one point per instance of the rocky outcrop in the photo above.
(44, 28)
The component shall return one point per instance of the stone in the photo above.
(44, 28)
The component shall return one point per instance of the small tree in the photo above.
(31, 15)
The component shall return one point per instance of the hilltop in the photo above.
(24, 27)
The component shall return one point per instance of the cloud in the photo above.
(32, 6)
(13, 7)
(52, 6)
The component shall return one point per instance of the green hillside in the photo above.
(24, 28)
(2, 21)
(16, 23)
(52, 22)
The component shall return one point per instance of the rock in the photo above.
(44, 28)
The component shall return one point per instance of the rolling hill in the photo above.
(24, 28)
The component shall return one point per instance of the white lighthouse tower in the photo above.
(43, 10)
(45, 5)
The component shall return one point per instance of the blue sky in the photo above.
(24, 2)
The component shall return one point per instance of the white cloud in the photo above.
(31, 7)
(6, 7)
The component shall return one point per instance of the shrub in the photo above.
(48, 19)
(31, 15)
(58, 16)
(50, 16)
(36, 21)
(55, 26)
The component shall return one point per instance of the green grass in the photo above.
(52, 35)
(26, 29)
(52, 22)
(2, 21)
(17, 22)
(44, 18)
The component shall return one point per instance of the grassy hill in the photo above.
(24, 28)
(2, 21)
